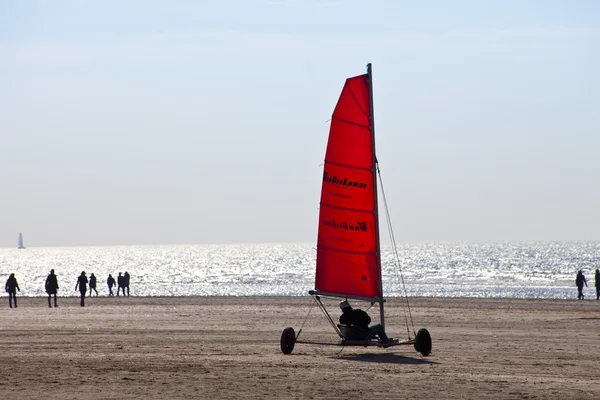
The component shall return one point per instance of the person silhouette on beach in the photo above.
(93, 284)
(597, 279)
(120, 284)
(51, 287)
(126, 283)
(11, 288)
(111, 283)
(359, 318)
(82, 282)
(579, 282)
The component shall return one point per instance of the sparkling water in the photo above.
(519, 270)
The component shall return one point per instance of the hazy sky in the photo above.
(152, 122)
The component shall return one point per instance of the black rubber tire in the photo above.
(288, 340)
(423, 342)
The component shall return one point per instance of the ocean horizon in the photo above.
(485, 270)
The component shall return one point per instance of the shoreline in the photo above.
(228, 347)
(73, 300)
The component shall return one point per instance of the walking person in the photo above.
(126, 283)
(111, 283)
(93, 284)
(51, 287)
(597, 278)
(579, 282)
(11, 288)
(120, 284)
(82, 282)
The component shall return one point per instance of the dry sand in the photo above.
(228, 348)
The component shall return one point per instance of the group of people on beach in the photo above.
(122, 284)
(51, 287)
(580, 281)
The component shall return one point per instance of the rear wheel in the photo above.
(288, 340)
(423, 342)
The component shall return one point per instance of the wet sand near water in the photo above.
(228, 348)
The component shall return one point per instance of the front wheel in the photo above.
(423, 342)
(288, 340)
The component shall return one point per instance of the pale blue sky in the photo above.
(147, 122)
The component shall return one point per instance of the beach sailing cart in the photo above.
(348, 245)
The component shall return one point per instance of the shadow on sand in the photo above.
(385, 358)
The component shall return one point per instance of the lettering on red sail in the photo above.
(360, 226)
(343, 181)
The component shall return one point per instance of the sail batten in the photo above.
(351, 251)
(370, 299)
(349, 122)
(348, 242)
(347, 165)
(345, 209)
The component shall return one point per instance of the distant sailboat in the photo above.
(21, 241)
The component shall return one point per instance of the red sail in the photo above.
(347, 262)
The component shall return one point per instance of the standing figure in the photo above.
(51, 287)
(93, 284)
(82, 282)
(120, 284)
(111, 283)
(597, 277)
(580, 281)
(11, 287)
(126, 283)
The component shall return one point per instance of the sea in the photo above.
(539, 270)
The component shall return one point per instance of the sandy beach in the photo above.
(228, 348)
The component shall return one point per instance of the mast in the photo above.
(376, 209)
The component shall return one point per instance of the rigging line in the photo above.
(396, 261)
(395, 252)
(399, 278)
(405, 309)
(305, 319)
